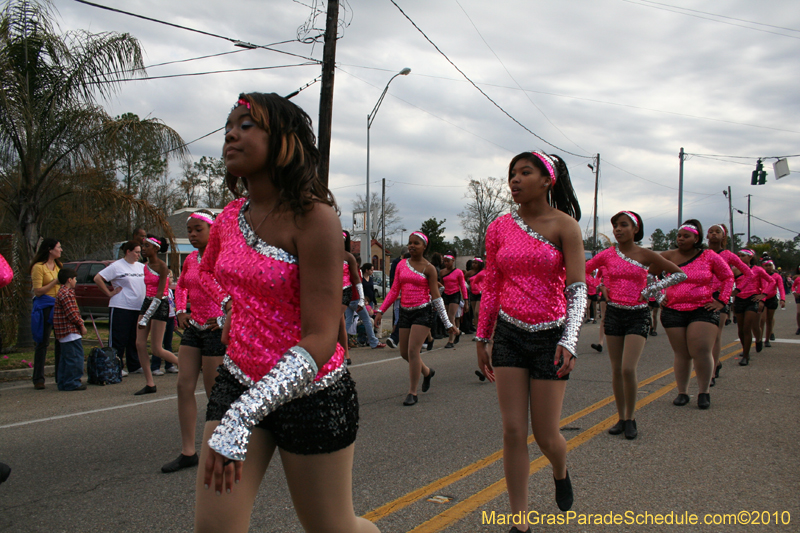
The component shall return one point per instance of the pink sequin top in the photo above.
(733, 261)
(6, 274)
(151, 280)
(191, 287)
(454, 281)
(592, 283)
(758, 282)
(525, 278)
(264, 284)
(346, 278)
(772, 291)
(476, 282)
(698, 288)
(411, 285)
(625, 278)
(796, 285)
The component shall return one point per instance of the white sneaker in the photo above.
(124, 373)
(138, 371)
(172, 370)
(158, 372)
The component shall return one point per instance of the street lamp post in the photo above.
(366, 251)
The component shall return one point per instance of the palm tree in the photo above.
(51, 126)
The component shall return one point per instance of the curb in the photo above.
(25, 373)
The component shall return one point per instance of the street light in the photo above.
(366, 247)
(402, 230)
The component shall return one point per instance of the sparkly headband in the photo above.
(449, 257)
(205, 217)
(421, 236)
(720, 226)
(745, 251)
(344, 235)
(632, 217)
(549, 163)
(242, 101)
(765, 263)
(478, 259)
(691, 228)
(153, 241)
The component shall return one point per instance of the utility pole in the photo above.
(594, 222)
(680, 191)
(383, 235)
(326, 92)
(730, 219)
(748, 219)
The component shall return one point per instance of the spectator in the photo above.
(155, 361)
(369, 286)
(69, 329)
(126, 276)
(394, 339)
(44, 276)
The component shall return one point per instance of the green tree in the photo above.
(211, 172)
(434, 230)
(659, 240)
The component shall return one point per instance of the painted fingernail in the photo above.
(237, 481)
(229, 491)
(219, 493)
(206, 486)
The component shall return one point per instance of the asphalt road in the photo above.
(90, 461)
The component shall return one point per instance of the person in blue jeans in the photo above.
(69, 330)
(359, 305)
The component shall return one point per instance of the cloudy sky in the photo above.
(632, 80)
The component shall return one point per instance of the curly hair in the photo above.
(292, 154)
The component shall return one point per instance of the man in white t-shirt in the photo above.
(126, 276)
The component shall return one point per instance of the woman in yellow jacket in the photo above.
(44, 277)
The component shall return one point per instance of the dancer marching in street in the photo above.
(201, 345)
(532, 307)
(771, 302)
(796, 291)
(418, 287)
(691, 310)
(276, 256)
(626, 321)
(455, 290)
(155, 310)
(748, 303)
(350, 279)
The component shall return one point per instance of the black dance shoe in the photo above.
(744, 361)
(426, 380)
(146, 390)
(653, 333)
(704, 400)
(713, 382)
(630, 429)
(515, 530)
(759, 346)
(716, 370)
(598, 347)
(183, 461)
(564, 495)
(772, 336)
(449, 345)
(411, 399)
(480, 375)
(617, 428)
(680, 400)
(767, 344)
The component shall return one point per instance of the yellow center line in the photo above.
(463, 508)
(415, 495)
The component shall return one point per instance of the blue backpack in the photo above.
(103, 367)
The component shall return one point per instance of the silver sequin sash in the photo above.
(255, 242)
(527, 229)
(628, 307)
(326, 381)
(531, 327)
(414, 308)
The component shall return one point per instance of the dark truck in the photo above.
(88, 295)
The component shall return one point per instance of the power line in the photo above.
(236, 42)
(746, 156)
(648, 180)
(481, 90)
(722, 16)
(766, 221)
(246, 69)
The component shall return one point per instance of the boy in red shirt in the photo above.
(69, 329)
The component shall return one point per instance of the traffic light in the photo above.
(759, 176)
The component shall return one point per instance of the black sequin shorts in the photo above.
(454, 298)
(162, 313)
(653, 304)
(347, 295)
(742, 305)
(533, 350)
(726, 310)
(771, 303)
(670, 318)
(619, 322)
(323, 422)
(474, 297)
(208, 341)
(424, 316)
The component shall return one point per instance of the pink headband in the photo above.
(548, 162)
(478, 259)
(765, 263)
(421, 236)
(153, 241)
(344, 235)
(745, 251)
(633, 217)
(690, 228)
(205, 217)
(720, 226)
(449, 257)
(242, 101)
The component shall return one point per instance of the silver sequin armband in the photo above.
(224, 303)
(654, 288)
(287, 380)
(362, 300)
(576, 307)
(150, 312)
(438, 304)
(221, 321)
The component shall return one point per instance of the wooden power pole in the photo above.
(326, 93)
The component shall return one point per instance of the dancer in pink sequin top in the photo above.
(771, 302)
(278, 254)
(416, 283)
(201, 343)
(155, 310)
(691, 310)
(796, 292)
(6, 274)
(532, 304)
(626, 321)
(455, 290)
(748, 304)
